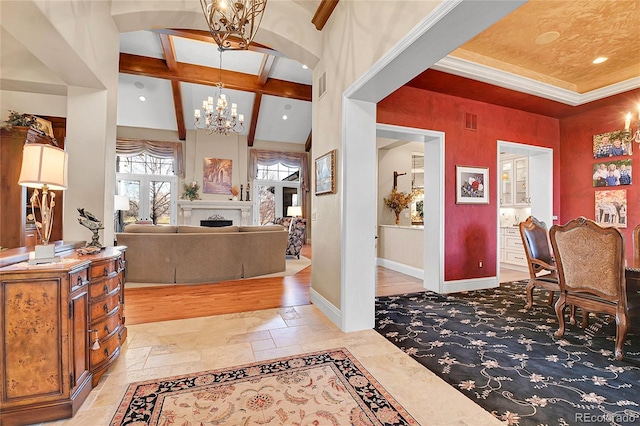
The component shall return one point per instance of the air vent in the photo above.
(470, 121)
(322, 84)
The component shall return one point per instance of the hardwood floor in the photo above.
(170, 302)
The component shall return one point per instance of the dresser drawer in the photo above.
(513, 243)
(107, 348)
(105, 307)
(106, 268)
(512, 232)
(106, 326)
(106, 287)
(516, 258)
(78, 278)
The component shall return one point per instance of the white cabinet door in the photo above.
(521, 181)
(506, 179)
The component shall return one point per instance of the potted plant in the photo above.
(398, 201)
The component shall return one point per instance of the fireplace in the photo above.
(196, 211)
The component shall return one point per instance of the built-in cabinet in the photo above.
(514, 188)
(511, 248)
(62, 327)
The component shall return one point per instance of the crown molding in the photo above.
(496, 77)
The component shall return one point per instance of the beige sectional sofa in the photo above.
(194, 254)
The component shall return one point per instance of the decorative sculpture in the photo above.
(92, 223)
(248, 199)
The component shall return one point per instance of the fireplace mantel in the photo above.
(196, 210)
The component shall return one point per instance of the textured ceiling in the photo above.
(586, 30)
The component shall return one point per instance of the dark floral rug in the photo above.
(329, 387)
(507, 360)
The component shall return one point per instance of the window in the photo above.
(151, 186)
(276, 187)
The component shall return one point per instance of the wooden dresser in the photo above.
(51, 316)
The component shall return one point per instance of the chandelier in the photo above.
(235, 18)
(219, 118)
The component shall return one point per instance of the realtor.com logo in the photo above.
(606, 418)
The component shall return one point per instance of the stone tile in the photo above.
(262, 345)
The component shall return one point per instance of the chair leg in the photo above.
(550, 299)
(622, 326)
(585, 319)
(529, 290)
(560, 305)
(572, 315)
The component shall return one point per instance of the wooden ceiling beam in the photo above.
(197, 74)
(307, 144)
(205, 36)
(251, 135)
(323, 12)
(265, 69)
(170, 57)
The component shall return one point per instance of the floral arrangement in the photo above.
(17, 119)
(191, 191)
(398, 201)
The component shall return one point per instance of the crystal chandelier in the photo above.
(219, 118)
(233, 18)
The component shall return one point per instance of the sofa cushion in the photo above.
(185, 229)
(150, 229)
(262, 228)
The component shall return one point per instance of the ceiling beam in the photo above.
(251, 135)
(205, 36)
(172, 64)
(265, 69)
(307, 144)
(323, 12)
(197, 74)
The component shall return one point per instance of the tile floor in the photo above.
(170, 348)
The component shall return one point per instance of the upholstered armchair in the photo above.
(542, 266)
(297, 227)
(591, 274)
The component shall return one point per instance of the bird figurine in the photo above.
(92, 223)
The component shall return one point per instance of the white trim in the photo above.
(470, 284)
(400, 267)
(496, 77)
(329, 310)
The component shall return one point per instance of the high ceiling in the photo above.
(538, 58)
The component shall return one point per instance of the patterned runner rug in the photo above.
(506, 359)
(324, 388)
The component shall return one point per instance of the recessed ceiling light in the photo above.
(287, 106)
(142, 98)
(305, 67)
(284, 117)
(599, 60)
(547, 37)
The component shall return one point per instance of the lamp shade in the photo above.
(43, 165)
(294, 211)
(121, 202)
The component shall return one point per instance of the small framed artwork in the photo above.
(326, 173)
(610, 144)
(472, 185)
(612, 173)
(611, 208)
(216, 176)
(45, 126)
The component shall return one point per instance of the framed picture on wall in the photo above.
(610, 144)
(611, 208)
(326, 173)
(472, 185)
(612, 173)
(216, 176)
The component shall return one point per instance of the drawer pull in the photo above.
(106, 271)
(96, 343)
(106, 289)
(106, 329)
(79, 280)
(106, 351)
(106, 308)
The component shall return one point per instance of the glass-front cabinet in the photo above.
(417, 188)
(514, 178)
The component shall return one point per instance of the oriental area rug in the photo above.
(320, 388)
(507, 360)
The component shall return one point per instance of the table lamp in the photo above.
(120, 204)
(294, 211)
(44, 167)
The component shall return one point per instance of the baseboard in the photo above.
(470, 284)
(400, 267)
(326, 307)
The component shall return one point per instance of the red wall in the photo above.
(470, 230)
(576, 162)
